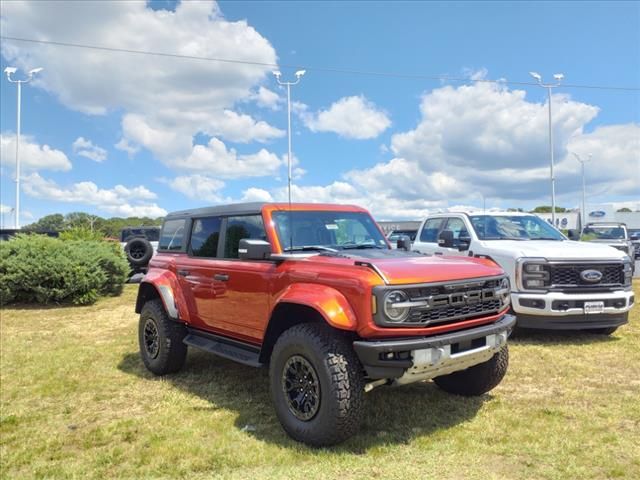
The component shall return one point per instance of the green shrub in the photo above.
(39, 269)
(81, 233)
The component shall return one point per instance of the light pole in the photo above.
(10, 71)
(299, 75)
(558, 77)
(582, 162)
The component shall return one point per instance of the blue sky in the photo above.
(119, 134)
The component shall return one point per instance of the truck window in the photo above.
(204, 237)
(172, 235)
(249, 226)
(457, 226)
(430, 230)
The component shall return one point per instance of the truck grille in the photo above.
(568, 275)
(455, 301)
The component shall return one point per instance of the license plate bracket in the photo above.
(593, 307)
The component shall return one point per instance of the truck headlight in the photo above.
(393, 308)
(628, 272)
(535, 274)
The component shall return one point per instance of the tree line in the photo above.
(109, 227)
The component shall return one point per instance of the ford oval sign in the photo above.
(591, 276)
(597, 213)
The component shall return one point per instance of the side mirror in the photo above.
(253, 249)
(445, 239)
(404, 243)
(463, 242)
(573, 234)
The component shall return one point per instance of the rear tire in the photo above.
(317, 385)
(478, 379)
(160, 339)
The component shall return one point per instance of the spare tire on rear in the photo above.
(139, 251)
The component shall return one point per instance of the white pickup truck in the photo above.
(556, 283)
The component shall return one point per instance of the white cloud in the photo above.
(5, 208)
(165, 101)
(267, 98)
(350, 117)
(124, 145)
(32, 155)
(253, 194)
(218, 161)
(86, 148)
(119, 200)
(198, 187)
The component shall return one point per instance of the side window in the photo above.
(172, 235)
(249, 226)
(430, 231)
(456, 225)
(204, 237)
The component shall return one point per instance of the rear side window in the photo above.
(204, 237)
(250, 226)
(431, 228)
(172, 235)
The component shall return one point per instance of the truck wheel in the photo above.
(160, 339)
(478, 379)
(139, 251)
(317, 385)
(602, 331)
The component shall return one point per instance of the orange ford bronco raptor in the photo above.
(315, 293)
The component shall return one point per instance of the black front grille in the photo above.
(568, 275)
(453, 302)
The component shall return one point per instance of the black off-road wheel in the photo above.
(160, 340)
(317, 385)
(139, 251)
(478, 379)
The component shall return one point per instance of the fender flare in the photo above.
(167, 286)
(327, 301)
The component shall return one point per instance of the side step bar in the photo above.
(223, 347)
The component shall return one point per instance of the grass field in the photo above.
(76, 402)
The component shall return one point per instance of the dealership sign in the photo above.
(597, 213)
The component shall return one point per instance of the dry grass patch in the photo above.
(76, 402)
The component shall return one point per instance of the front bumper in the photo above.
(557, 310)
(411, 360)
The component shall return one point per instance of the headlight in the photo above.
(504, 293)
(628, 272)
(535, 274)
(393, 308)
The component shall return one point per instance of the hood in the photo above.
(551, 249)
(399, 267)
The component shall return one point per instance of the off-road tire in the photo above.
(341, 380)
(602, 331)
(170, 351)
(478, 379)
(139, 251)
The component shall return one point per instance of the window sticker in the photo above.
(331, 226)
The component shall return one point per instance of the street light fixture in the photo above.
(558, 78)
(299, 74)
(582, 162)
(10, 71)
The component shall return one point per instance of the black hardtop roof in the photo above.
(233, 209)
(606, 224)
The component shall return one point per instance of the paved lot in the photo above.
(636, 274)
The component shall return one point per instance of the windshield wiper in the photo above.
(361, 246)
(546, 238)
(505, 238)
(310, 248)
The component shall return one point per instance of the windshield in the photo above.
(327, 231)
(603, 233)
(516, 227)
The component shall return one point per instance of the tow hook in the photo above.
(376, 383)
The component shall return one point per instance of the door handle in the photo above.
(184, 273)
(222, 277)
(437, 253)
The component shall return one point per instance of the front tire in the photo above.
(160, 339)
(317, 385)
(478, 379)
